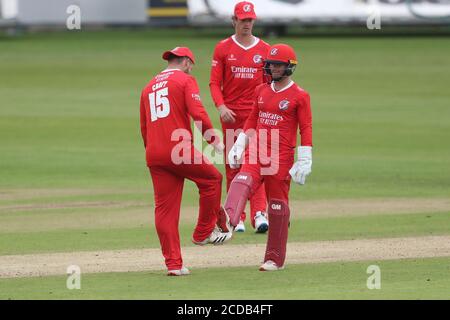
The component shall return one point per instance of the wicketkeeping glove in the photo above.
(302, 167)
(236, 152)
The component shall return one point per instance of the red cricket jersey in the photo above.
(285, 110)
(167, 101)
(235, 73)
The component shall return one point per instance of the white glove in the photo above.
(235, 154)
(302, 168)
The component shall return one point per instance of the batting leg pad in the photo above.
(278, 231)
(237, 196)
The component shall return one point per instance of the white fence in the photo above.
(326, 11)
(54, 12)
(210, 12)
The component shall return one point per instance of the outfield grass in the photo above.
(69, 111)
(400, 279)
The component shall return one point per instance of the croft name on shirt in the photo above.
(159, 85)
(269, 118)
(243, 72)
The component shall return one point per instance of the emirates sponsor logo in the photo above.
(243, 69)
(269, 118)
(243, 72)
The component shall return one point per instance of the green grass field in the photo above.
(400, 280)
(73, 175)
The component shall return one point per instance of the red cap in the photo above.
(244, 10)
(179, 52)
(282, 53)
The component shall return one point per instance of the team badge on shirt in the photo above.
(257, 58)
(284, 104)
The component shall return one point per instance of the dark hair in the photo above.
(175, 58)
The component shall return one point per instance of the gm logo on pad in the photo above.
(275, 206)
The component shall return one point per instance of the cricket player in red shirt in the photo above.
(167, 103)
(280, 108)
(237, 69)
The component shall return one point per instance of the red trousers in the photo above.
(258, 200)
(276, 185)
(168, 182)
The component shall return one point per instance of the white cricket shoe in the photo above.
(261, 222)
(240, 227)
(179, 272)
(269, 265)
(216, 237)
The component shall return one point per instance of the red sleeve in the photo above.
(216, 77)
(143, 120)
(252, 119)
(305, 120)
(197, 111)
